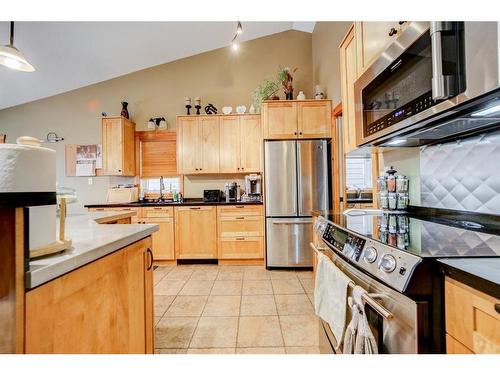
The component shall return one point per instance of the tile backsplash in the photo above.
(462, 175)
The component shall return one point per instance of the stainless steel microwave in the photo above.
(436, 81)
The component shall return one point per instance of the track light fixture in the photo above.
(234, 43)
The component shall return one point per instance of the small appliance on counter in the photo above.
(393, 191)
(253, 192)
(212, 195)
(232, 192)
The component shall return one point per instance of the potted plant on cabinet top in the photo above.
(266, 90)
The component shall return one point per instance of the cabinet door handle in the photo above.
(300, 133)
(157, 208)
(194, 208)
(497, 307)
(240, 206)
(392, 31)
(294, 133)
(196, 169)
(150, 255)
(240, 238)
(238, 168)
(240, 218)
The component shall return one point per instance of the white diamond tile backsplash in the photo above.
(462, 175)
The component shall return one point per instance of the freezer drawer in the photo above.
(287, 242)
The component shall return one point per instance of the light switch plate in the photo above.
(91, 181)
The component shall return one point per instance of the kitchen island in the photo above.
(96, 297)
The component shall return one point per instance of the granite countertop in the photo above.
(90, 241)
(186, 202)
(479, 273)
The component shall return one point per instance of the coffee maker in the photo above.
(231, 192)
(253, 183)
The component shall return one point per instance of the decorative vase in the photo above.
(301, 96)
(124, 112)
(289, 95)
(252, 109)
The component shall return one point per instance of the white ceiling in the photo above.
(69, 55)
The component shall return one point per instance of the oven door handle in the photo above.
(441, 84)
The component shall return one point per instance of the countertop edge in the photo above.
(39, 277)
(172, 204)
(474, 281)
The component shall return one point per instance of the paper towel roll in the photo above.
(26, 168)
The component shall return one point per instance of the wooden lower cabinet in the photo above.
(196, 232)
(240, 232)
(472, 320)
(163, 240)
(103, 307)
(241, 248)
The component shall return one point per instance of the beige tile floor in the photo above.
(209, 309)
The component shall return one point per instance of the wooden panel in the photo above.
(241, 248)
(189, 137)
(471, 317)
(128, 151)
(348, 72)
(229, 144)
(99, 308)
(280, 120)
(148, 305)
(209, 144)
(195, 232)
(157, 211)
(158, 158)
(314, 119)
(238, 226)
(251, 144)
(455, 347)
(240, 210)
(163, 240)
(112, 145)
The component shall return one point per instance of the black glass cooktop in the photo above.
(427, 232)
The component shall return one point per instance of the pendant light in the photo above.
(12, 58)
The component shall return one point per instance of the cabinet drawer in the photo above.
(240, 210)
(95, 209)
(241, 248)
(471, 317)
(237, 226)
(157, 211)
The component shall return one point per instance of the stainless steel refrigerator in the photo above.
(296, 183)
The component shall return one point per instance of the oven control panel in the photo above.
(390, 265)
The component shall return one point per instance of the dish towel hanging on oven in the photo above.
(359, 337)
(330, 296)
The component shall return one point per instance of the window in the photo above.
(152, 185)
(359, 172)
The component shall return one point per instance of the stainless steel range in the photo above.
(393, 256)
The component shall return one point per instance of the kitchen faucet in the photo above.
(162, 186)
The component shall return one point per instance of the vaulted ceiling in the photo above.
(69, 55)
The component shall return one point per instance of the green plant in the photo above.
(264, 91)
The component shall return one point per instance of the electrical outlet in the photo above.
(91, 181)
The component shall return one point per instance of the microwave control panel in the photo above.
(417, 105)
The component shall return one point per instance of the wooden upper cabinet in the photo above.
(373, 38)
(209, 143)
(280, 119)
(229, 144)
(348, 74)
(189, 141)
(250, 144)
(156, 153)
(314, 119)
(196, 232)
(297, 119)
(118, 146)
(219, 144)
